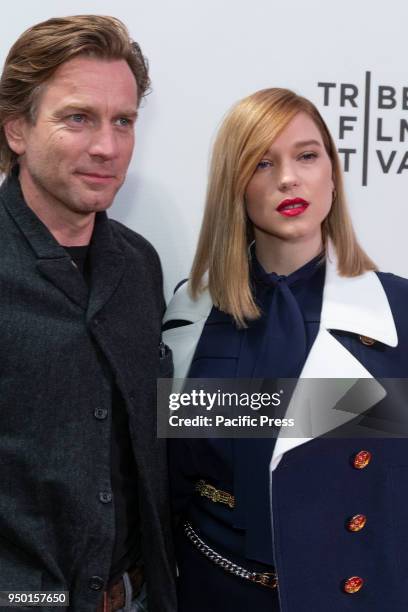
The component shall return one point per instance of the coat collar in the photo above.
(53, 261)
(35, 232)
(358, 305)
(184, 308)
(107, 263)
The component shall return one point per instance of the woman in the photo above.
(281, 288)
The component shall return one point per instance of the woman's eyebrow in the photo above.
(300, 144)
(307, 143)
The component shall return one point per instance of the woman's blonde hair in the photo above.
(243, 138)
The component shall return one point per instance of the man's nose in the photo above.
(103, 142)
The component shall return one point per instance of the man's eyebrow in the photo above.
(74, 107)
(77, 107)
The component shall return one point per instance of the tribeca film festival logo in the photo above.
(380, 114)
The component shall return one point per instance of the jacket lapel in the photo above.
(183, 340)
(107, 265)
(357, 305)
(53, 262)
(64, 275)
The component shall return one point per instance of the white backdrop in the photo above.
(206, 55)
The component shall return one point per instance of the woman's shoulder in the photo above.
(183, 306)
(396, 290)
(393, 284)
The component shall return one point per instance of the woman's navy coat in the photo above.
(315, 488)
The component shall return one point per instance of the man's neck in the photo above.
(72, 235)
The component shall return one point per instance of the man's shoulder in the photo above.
(132, 240)
(9, 241)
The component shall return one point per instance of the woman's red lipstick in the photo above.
(292, 207)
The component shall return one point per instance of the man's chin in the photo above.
(89, 207)
(94, 201)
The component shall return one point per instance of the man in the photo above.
(83, 499)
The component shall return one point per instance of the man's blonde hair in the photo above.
(41, 49)
(245, 135)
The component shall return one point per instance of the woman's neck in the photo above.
(284, 256)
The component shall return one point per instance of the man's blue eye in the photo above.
(124, 121)
(77, 118)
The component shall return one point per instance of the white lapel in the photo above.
(183, 340)
(358, 305)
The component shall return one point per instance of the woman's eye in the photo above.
(308, 156)
(264, 164)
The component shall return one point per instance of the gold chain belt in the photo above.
(266, 579)
(215, 495)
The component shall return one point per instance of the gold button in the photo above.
(362, 459)
(366, 340)
(357, 522)
(353, 584)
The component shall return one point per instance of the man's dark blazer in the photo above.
(61, 347)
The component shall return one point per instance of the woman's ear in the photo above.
(15, 134)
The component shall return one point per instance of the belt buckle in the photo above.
(268, 579)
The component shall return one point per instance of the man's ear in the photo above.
(14, 130)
